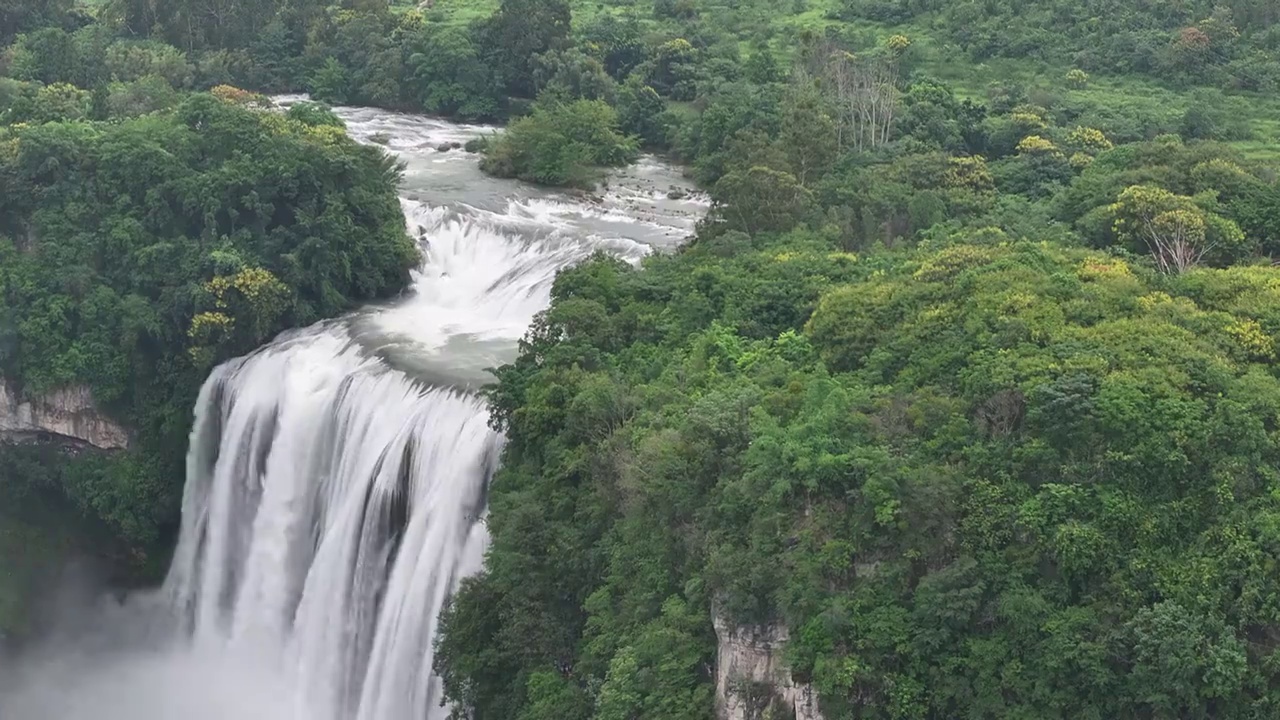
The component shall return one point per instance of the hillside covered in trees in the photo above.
(138, 251)
(968, 379)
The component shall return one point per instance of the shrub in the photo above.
(561, 144)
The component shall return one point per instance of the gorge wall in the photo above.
(752, 679)
(67, 414)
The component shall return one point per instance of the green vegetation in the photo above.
(972, 391)
(1226, 44)
(979, 478)
(40, 533)
(968, 379)
(561, 144)
(138, 250)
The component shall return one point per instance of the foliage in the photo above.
(884, 398)
(519, 31)
(925, 463)
(122, 242)
(18, 16)
(1200, 42)
(560, 144)
(449, 76)
(40, 533)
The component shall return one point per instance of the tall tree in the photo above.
(866, 91)
(521, 30)
(19, 15)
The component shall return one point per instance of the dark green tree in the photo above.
(518, 32)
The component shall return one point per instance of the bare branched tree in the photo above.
(1177, 240)
(865, 90)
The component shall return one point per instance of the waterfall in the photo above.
(331, 505)
(336, 478)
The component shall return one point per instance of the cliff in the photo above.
(66, 414)
(752, 681)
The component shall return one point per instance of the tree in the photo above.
(52, 103)
(560, 144)
(143, 96)
(314, 114)
(552, 697)
(760, 200)
(866, 92)
(1182, 660)
(204, 24)
(640, 110)
(672, 70)
(567, 75)
(1038, 170)
(1177, 233)
(762, 67)
(155, 246)
(449, 76)
(617, 40)
(930, 113)
(808, 137)
(519, 31)
(18, 16)
(331, 83)
(49, 56)
(129, 61)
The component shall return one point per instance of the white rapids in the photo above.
(336, 478)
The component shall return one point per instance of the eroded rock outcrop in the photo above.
(67, 414)
(752, 678)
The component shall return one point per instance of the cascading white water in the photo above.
(336, 478)
(331, 504)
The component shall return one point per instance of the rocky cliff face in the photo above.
(67, 414)
(752, 681)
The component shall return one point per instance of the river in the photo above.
(336, 477)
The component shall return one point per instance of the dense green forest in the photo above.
(968, 384)
(968, 379)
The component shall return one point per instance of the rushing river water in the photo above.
(336, 477)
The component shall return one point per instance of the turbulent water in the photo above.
(336, 478)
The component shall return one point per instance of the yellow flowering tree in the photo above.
(1178, 233)
(1088, 140)
(245, 308)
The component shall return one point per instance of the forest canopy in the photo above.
(925, 463)
(137, 252)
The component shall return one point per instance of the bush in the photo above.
(145, 95)
(129, 61)
(314, 114)
(561, 144)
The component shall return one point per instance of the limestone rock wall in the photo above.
(68, 413)
(751, 674)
